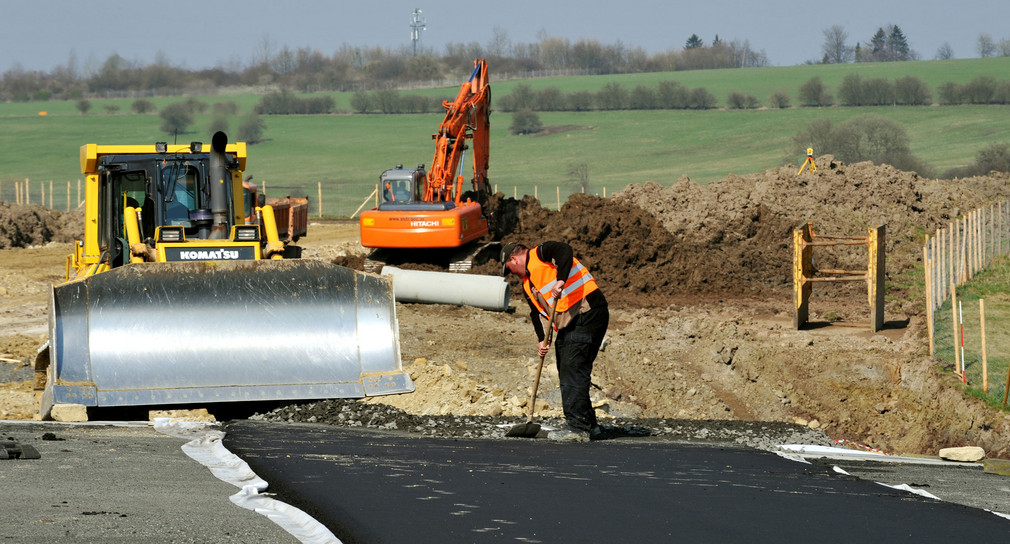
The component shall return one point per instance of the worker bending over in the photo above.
(550, 273)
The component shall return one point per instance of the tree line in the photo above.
(666, 95)
(904, 91)
(889, 44)
(356, 68)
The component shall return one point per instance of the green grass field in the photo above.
(993, 286)
(345, 153)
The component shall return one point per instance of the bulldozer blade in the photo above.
(208, 332)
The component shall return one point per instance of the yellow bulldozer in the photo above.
(172, 298)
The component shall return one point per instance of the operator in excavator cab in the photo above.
(554, 280)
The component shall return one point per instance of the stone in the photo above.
(197, 414)
(69, 412)
(969, 454)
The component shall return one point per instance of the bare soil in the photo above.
(699, 282)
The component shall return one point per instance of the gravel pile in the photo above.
(354, 413)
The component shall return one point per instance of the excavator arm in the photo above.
(466, 118)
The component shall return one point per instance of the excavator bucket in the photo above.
(209, 332)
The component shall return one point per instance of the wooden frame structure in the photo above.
(805, 274)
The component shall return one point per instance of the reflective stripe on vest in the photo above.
(542, 276)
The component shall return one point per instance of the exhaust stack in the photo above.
(220, 182)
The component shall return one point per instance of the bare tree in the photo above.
(499, 44)
(986, 46)
(834, 47)
(1004, 47)
(578, 173)
(945, 52)
(283, 62)
(555, 53)
(264, 51)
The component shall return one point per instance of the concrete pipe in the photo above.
(487, 292)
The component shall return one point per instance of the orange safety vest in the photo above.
(542, 276)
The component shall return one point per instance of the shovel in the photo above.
(530, 429)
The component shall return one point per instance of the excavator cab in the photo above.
(401, 186)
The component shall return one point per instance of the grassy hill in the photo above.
(345, 153)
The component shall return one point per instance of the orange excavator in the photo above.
(422, 211)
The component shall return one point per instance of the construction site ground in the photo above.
(699, 282)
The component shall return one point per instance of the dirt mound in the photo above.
(652, 245)
(23, 226)
(630, 253)
(740, 227)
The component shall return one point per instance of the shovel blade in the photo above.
(524, 430)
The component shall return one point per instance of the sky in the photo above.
(40, 35)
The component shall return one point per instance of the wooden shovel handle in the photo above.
(540, 367)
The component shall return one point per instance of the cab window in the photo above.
(180, 190)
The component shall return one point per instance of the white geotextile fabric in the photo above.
(205, 447)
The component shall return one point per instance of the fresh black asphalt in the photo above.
(391, 487)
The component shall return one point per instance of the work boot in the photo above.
(601, 432)
(569, 434)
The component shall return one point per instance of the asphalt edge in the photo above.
(205, 447)
(801, 452)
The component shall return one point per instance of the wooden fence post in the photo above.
(928, 269)
(953, 311)
(985, 364)
(950, 252)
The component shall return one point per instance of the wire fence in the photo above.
(953, 256)
(55, 195)
(329, 199)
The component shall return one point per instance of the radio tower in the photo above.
(417, 24)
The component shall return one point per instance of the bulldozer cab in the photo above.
(168, 191)
(180, 194)
(121, 189)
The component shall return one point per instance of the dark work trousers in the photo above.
(575, 349)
